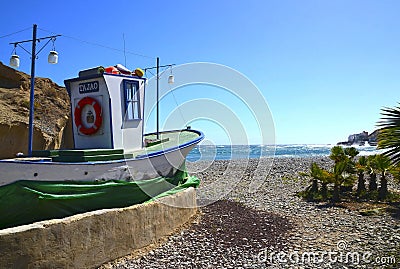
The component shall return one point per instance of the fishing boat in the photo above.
(107, 110)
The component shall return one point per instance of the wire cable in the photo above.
(178, 107)
(15, 32)
(101, 45)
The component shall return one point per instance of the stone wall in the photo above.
(91, 239)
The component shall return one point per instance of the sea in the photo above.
(232, 152)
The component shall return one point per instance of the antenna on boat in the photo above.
(123, 37)
(158, 98)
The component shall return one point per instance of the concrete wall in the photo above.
(91, 239)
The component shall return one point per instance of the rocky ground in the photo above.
(249, 220)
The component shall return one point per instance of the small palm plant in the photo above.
(327, 178)
(318, 176)
(382, 164)
(395, 171)
(344, 159)
(361, 167)
(315, 174)
(341, 177)
(372, 168)
(389, 133)
(351, 152)
(323, 177)
(337, 154)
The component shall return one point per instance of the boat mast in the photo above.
(158, 66)
(158, 97)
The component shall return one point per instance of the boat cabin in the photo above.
(107, 109)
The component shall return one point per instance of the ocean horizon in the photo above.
(233, 152)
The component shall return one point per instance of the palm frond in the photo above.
(337, 154)
(383, 163)
(352, 152)
(389, 133)
(362, 161)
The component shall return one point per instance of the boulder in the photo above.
(52, 126)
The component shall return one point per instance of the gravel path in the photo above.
(242, 226)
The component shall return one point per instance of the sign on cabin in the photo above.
(92, 86)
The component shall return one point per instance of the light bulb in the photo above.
(53, 57)
(14, 61)
(171, 79)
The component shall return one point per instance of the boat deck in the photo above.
(167, 141)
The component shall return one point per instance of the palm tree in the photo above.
(351, 152)
(326, 178)
(361, 167)
(341, 177)
(395, 171)
(382, 164)
(371, 166)
(344, 167)
(316, 174)
(389, 133)
(337, 154)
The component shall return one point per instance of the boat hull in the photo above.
(160, 163)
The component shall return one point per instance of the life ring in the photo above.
(78, 116)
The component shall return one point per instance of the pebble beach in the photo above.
(250, 217)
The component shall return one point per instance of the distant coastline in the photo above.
(361, 139)
(234, 152)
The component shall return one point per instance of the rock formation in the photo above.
(52, 113)
(361, 138)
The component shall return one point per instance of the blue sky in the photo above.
(325, 68)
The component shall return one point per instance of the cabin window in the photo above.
(132, 104)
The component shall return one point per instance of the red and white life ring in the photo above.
(78, 116)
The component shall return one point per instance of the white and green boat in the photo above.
(109, 141)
